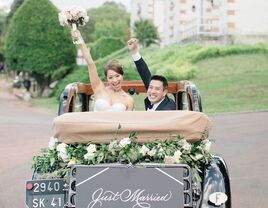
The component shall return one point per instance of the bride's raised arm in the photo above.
(95, 81)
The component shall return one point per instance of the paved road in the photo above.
(23, 132)
(242, 139)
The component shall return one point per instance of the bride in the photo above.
(111, 97)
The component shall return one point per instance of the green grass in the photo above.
(233, 83)
(230, 78)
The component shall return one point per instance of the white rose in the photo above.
(112, 145)
(63, 156)
(143, 150)
(62, 19)
(207, 144)
(73, 12)
(91, 148)
(52, 143)
(186, 146)
(198, 157)
(62, 147)
(68, 15)
(89, 156)
(152, 152)
(124, 142)
(177, 156)
(86, 19)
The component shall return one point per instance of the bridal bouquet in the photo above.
(74, 17)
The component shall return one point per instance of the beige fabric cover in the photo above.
(101, 127)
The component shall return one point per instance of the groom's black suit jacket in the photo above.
(145, 74)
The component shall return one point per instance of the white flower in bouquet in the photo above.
(198, 157)
(152, 152)
(207, 145)
(62, 152)
(112, 145)
(63, 156)
(124, 142)
(62, 147)
(185, 145)
(89, 156)
(143, 150)
(177, 156)
(52, 143)
(91, 148)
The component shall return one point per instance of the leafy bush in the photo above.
(36, 43)
(220, 51)
(105, 46)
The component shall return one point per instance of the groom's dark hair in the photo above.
(161, 79)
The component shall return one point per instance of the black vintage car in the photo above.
(126, 184)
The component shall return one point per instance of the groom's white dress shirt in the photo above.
(155, 106)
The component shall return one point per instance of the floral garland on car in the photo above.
(54, 160)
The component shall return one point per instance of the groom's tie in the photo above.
(150, 106)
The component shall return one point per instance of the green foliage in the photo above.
(79, 74)
(61, 72)
(36, 43)
(175, 62)
(211, 52)
(3, 15)
(2, 30)
(146, 32)
(54, 160)
(109, 20)
(14, 7)
(105, 46)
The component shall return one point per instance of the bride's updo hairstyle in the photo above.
(115, 66)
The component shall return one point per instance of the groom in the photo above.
(157, 85)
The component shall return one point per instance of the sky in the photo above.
(87, 4)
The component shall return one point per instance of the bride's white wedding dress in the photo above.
(103, 105)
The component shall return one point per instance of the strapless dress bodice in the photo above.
(103, 105)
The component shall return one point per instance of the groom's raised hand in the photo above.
(133, 45)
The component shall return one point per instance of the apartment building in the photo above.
(227, 20)
(163, 13)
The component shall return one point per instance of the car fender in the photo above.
(215, 184)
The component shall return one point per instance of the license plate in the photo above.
(45, 193)
(44, 201)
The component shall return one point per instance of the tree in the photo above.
(109, 20)
(105, 46)
(36, 43)
(2, 26)
(146, 32)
